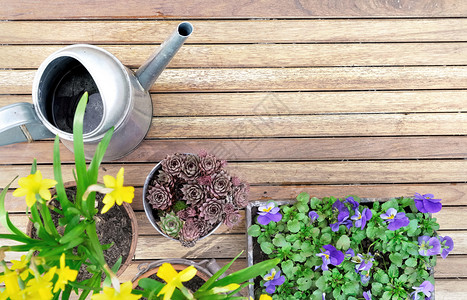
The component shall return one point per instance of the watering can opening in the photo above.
(63, 83)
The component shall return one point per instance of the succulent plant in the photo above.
(189, 233)
(209, 164)
(172, 164)
(171, 224)
(232, 218)
(159, 197)
(186, 213)
(179, 205)
(193, 193)
(240, 195)
(190, 167)
(165, 179)
(220, 184)
(212, 211)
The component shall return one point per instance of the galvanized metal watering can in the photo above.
(118, 97)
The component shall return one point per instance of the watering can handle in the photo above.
(19, 123)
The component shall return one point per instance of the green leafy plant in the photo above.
(343, 249)
(51, 263)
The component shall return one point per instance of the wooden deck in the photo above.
(365, 97)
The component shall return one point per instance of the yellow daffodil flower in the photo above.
(111, 294)
(12, 289)
(174, 279)
(65, 274)
(32, 185)
(40, 287)
(265, 297)
(22, 267)
(119, 193)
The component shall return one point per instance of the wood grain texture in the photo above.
(261, 173)
(49, 9)
(265, 149)
(263, 55)
(238, 31)
(451, 193)
(282, 79)
(296, 103)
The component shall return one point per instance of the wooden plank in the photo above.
(264, 55)
(301, 103)
(237, 31)
(452, 194)
(289, 173)
(265, 149)
(450, 289)
(50, 9)
(452, 266)
(282, 79)
(309, 126)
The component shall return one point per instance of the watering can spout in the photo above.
(153, 67)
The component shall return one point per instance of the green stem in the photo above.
(95, 245)
(48, 223)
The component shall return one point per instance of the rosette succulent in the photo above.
(159, 197)
(171, 224)
(197, 190)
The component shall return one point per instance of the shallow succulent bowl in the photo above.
(148, 209)
(249, 222)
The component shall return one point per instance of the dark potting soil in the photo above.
(112, 227)
(193, 285)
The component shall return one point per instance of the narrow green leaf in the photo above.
(75, 232)
(219, 273)
(248, 273)
(34, 167)
(4, 218)
(59, 187)
(78, 147)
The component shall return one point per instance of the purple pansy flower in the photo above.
(447, 244)
(273, 279)
(426, 203)
(428, 245)
(367, 295)
(362, 263)
(426, 288)
(396, 220)
(268, 213)
(365, 278)
(342, 217)
(330, 255)
(362, 218)
(313, 216)
(352, 202)
(349, 253)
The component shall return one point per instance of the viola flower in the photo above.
(362, 218)
(367, 295)
(447, 244)
(65, 274)
(349, 253)
(330, 255)
(426, 203)
(273, 279)
(268, 213)
(342, 217)
(396, 220)
(428, 245)
(363, 264)
(174, 279)
(33, 185)
(352, 202)
(119, 192)
(110, 293)
(426, 288)
(313, 216)
(365, 277)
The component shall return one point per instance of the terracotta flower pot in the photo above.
(134, 230)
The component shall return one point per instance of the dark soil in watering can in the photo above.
(66, 96)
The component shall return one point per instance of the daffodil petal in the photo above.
(20, 192)
(188, 273)
(45, 194)
(167, 272)
(119, 182)
(30, 200)
(109, 181)
(107, 207)
(48, 183)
